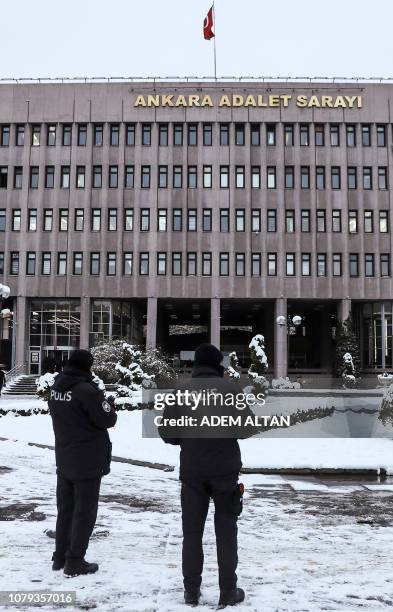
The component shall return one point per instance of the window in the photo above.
(336, 220)
(366, 135)
(368, 221)
(51, 136)
(224, 264)
(18, 177)
(290, 264)
(79, 219)
(114, 131)
(240, 219)
(111, 264)
(224, 134)
(32, 220)
(255, 220)
(48, 220)
(354, 264)
(206, 264)
(127, 264)
(272, 264)
(192, 220)
(192, 177)
(224, 177)
(383, 221)
(112, 219)
(178, 134)
(306, 264)
(336, 177)
(145, 177)
(207, 134)
(129, 177)
(14, 262)
(163, 135)
(162, 220)
(385, 264)
(98, 137)
(130, 134)
(337, 264)
(66, 135)
(289, 177)
(144, 264)
(321, 220)
(352, 221)
(334, 135)
(49, 177)
(97, 177)
(240, 177)
(20, 135)
(95, 263)
(289, 221)
(207, 220)
(80, 177)
(304, 135)
(224, 219)
(34, 176)
(321, 264)
(305, 177)
(161, 264)
(177, 177)
(2, 220)
(240, 267)
(369, 264)
(96, 220)
(191, 264)
(177, 220)
(240, 134)
(256, 264)
(113, 177)
(255, 177)
(305, 220)
(271, 220)
(62, 264)
(367, 178)
(144, 220)
(320, 177)
(271, 177)
(63, 220)
(176, 264)
(16, 220)
(351, 135)
(270, 134)
(30, 263)
(207, 177)
(192, 134)
(82, 135)
(35, 135)
(146, 134)
(289, 135)
(381, 136)
(352, 178)
(319, 135)
(5, 136)
(46, 264)
(382, 178)
(77, 265)
(65, 177)
(255, 135)
(128, 219)
(4, 177)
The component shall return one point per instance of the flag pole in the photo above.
(214, 41)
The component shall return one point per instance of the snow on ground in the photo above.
(303, 546)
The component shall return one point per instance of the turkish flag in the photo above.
(208, 25)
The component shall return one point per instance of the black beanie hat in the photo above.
(81, 360)
(208, 354)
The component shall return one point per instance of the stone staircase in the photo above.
(20, 386)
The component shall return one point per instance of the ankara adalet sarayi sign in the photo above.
(270, 100)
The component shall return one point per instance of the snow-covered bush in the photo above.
(348, 372)
(132, 378)
(106, 356)
(233, 368)
(386, 411)
(347, 343)
(44, 384)
(285, 383)
(258, 365)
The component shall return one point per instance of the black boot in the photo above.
(191, 598)
(231, 598)
(58, 562)
(76, 567)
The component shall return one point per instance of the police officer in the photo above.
(209, 468)
(81, 416)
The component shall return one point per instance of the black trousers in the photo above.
(195, 498)
(77, 504)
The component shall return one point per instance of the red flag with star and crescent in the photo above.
(208, 25)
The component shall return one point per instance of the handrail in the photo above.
(18, 370)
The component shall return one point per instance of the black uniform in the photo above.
(209, 468)
(80, 415)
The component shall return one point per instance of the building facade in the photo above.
(170, 213)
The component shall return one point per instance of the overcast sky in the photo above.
(164, 38)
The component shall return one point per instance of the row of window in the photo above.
(175, 177)
(174, 262)
(175, 219)
(179, 133)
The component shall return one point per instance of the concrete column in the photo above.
(21, 337)
(280, 339)
(215, 311)
(85, 323)
(151, 329)
(343, 309)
